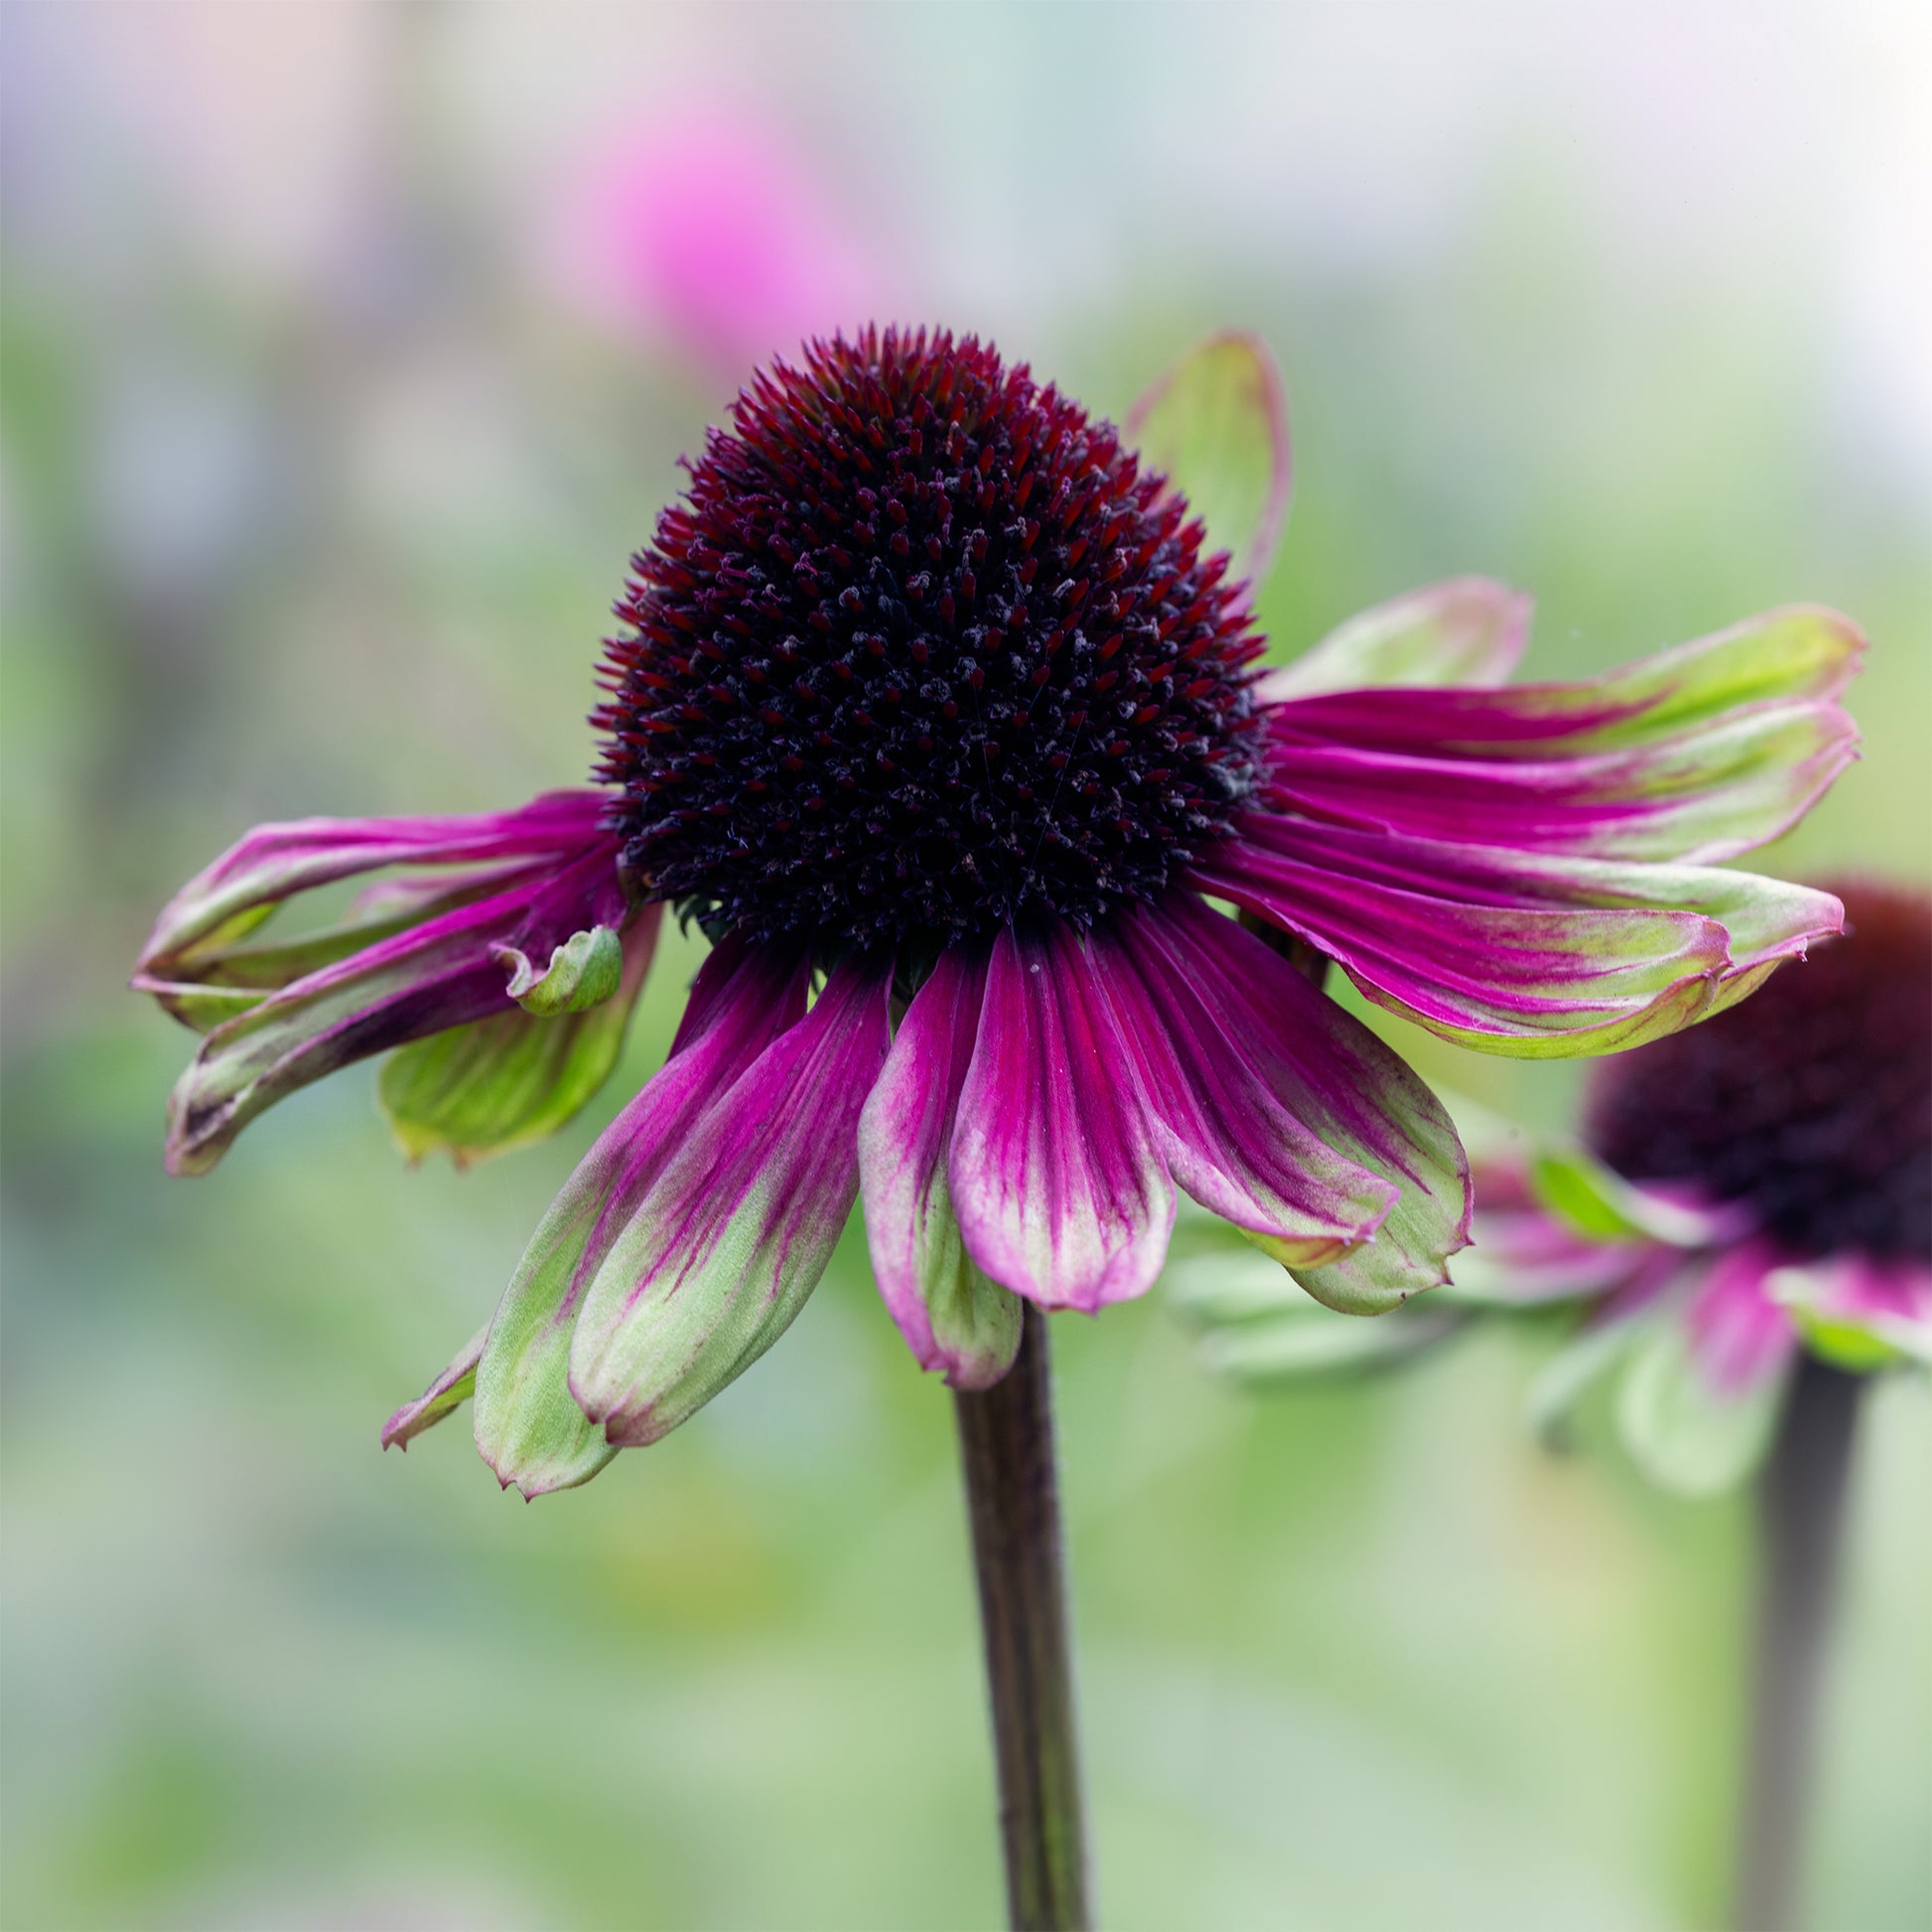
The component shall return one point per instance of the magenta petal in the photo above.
(276, 862)
(530, 1428)
(953, 1317)
(1334, 1077)
(1738, 1334)
(734, 1235)
(417, 956)
(1231, 1124)
(1798, 655)
(1500, 952)
(441, 973)
(1527, 1255)
(1697, 754)
(1703, 798)
(1062, 1194)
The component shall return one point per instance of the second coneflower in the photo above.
(1742, 1238)
(933, 708)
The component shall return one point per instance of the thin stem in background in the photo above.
(1006, 1440)
(1801, 1518)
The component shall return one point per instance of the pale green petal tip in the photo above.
(529, 1426)
(1258, 1325)
(1469, 630)
(1683, 1433)
(1848, 1346)
(503, 1082)
(1559, 1387)
(584, 972)
(1601, 1205)
(1215, 423)
(496, 1084)
(976, 1326)
(454, 1387)
(1859, 1341)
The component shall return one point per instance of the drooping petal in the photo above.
(952, 1316)
(1320, 1341)
(276, 862)
(503, 1082)
(736, 1230)
(1597, 1203)
(229, 980)
(1232, 1125)
(1584, 1363)
(1258, 1325)
(1512, 953)
(1700, 1393)
(1334, 1077)
(1696, 754)
(1468, 632)
(1522, 1257)
(1215, 424)
(581, 973)
(447, 1393)
(1060, 1192)
(1648, 1284)
(496, 893)
(440, 974)
(529, 1426)
(1858, 1312)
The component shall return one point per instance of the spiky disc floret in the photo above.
(1812, 1100)
(924, 651)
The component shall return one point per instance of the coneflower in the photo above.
(1745, 1237)
(933, 707)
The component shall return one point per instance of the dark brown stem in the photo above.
(1005, 1441)
(1801, 1517)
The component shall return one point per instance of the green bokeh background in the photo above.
(324, 511)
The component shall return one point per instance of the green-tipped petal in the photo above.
(529, 1426)
(1216, 425)
(1685, 1431)
(1534, 955)
(583, 972)
(503, 1082)
(1560, 1386)
(274, 863)
(1469, 630)
(1256, 1325)
(446, 1394)
(736, 1232)
(416, 957)
(1601, 1205)
(1859, 1313)
(953, 1316)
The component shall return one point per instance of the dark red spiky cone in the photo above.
(924, 651)
(1812, 1100)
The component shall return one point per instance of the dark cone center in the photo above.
(923, 651)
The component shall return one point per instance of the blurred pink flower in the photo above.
(718, 229)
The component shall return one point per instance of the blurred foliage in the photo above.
(344, 540)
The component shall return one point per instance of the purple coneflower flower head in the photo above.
(1800, 1128)
(1746, 1190)
(933, 706)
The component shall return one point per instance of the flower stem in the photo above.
(1801, 1515)
(1005, 1441)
